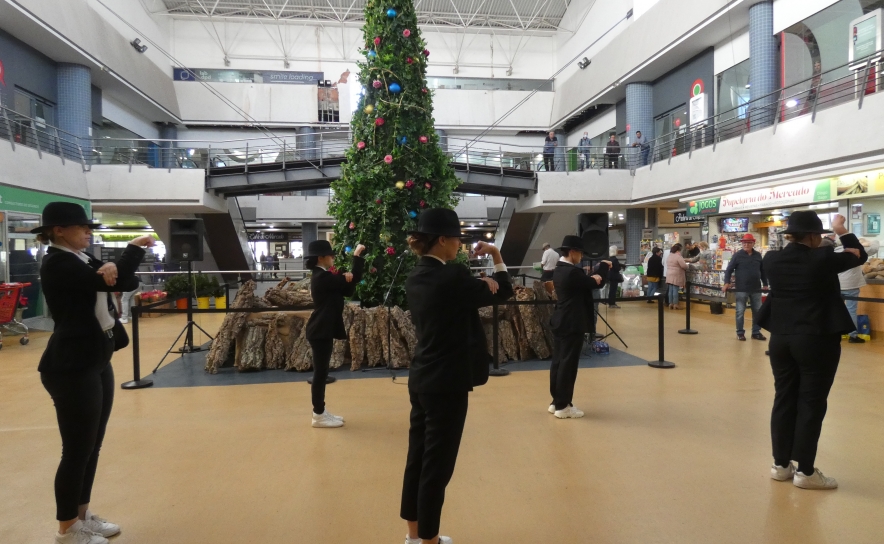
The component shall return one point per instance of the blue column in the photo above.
(308, 143)
(74, 106)
(168, 150)
(635, 222)
(763, 69)
(309, 233)
(639, 116)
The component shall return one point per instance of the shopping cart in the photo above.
(11, 302)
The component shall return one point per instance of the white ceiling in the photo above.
(519, 15)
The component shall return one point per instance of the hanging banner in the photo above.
(776, 197)
(16, 199)
(247, 76)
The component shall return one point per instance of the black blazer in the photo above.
(71, 288)
(328, 291)
(574, 306)
(805, 295)
(451, 354)
(655, 266)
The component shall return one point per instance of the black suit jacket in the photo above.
(451, 354)
(805, 295)
(328, 290)
(574, 306)
(71, 288)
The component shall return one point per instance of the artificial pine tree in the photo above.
(395, 168)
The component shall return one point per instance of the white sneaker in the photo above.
(124, 320)
(78, 533)
(569, 413)
(100, 526)
(815, 481)
(334, 416)
(781, 474)
(551, 409)
(442, 540)
(326, 420)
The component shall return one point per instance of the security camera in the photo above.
(136, 43)
(584, 63)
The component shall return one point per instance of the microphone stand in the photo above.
(389, 357)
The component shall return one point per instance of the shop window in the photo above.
(732, 98)
(31, 121)
(671, 129)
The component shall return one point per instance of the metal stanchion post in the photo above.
(661, 361)
(137, 382)
(496, 370)
(687, 295)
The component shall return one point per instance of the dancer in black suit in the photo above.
(571, 320)
(75, 368)
(450, 359)
(806, 318)
(326, 323)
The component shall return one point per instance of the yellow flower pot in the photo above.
(202, 303)
(220, 303)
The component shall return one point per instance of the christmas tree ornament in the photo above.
(424, 90)
(426, 52)
(348, 249)
(378, 201)
(412, 214)
(409, 60)
(428, 185)
(406, 33)
(379, 121)
(388, 159)
(402, 140)
(423, 139)
(360, 145)
(423, 204)
(391, 251)
(368, 109)
(395, 88)
(372, 54)
(409, 184)
(376, 84)
(377, 41)
(391, 13)
(352, 225)
(400, 184)
(373, 270)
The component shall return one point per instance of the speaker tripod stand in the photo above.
(187, 331)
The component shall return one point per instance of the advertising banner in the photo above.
(15, 199)
(247, 76)
(777, 197)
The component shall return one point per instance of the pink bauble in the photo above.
(409, 184)
(423, 139)
(391, 251)
(409, 60)
(377, 40)
(360, 145)
(379, 121)
(424, 90)
(423, 204)
(406, 33)
(352, 225)
(376, 84)
(388, 159)
(378, 201)
(426, 52)
(428, 185)
(374, 270)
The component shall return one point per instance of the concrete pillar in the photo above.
(168, 150)
(639, 116)
(309, 233)
(75, 106)
(308, 143)
(635, 222)
(763, 67)
(443, 139)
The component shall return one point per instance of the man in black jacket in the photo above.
(748, 265)
(572, 318)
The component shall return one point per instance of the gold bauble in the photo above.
(368, 109)
(400, 184)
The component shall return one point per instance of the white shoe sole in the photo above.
(551, 409)
(327, 424)
(781, 477)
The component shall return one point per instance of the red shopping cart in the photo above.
(11, 302)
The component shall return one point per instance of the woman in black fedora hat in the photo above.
(75, 368)
(326, 323)
(806, 318)
(571, 320)
(450, 359)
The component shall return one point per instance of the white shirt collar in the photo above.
(83, 257)
(437, 258)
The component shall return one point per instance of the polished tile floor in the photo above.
(663, 456)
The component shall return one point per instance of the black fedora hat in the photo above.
(64, 214)
(439, 222)
(571, 242)
(805, 222)
(319, 248)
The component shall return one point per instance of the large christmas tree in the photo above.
(395, 168)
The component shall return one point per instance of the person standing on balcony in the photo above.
(548, 262)
(643, 146)
(612, 151)
(583, 149)
(749, 267)
(549, 151)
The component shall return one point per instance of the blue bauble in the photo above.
(391, 13)
(402, 140)
(395, 88)
(372, 54)
(348, 249)
(412, 214)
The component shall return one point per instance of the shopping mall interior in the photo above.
(238, 134)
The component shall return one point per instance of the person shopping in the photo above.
(75, 368)
(451, 357)
(806, 317)
(675, 274)
(571, 320)
(326, 323)
(655, 272)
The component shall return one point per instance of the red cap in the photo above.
(747, 238)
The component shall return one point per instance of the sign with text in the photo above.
(247, 76)
(775, 197)
(698, 109)
(268, 236)
(865, 35)
(708, 206)
(16, 199)
(682, 217)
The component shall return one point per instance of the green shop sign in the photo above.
(16, 199)
(703, 207)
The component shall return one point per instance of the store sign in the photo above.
(247, 76)
(865, 35)
(703, 207)
(268, 236)
(682, 217)
(698, 109)
(775, 197)
(15, 199)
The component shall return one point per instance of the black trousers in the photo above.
(804, 368)
(83, 405)
(612, 161)
(549, 161)
(612, 292)
(437, 423)
(563, 370)
(322, 352)
(547, 275)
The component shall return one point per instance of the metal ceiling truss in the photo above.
(542, 16)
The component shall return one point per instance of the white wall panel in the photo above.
(121, 114)
(789, 12)
(266, 103)
(461, 108)
(154, 27)
(732, 52)
(585, 22)
(594, 127)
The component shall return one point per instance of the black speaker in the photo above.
(186, 239)
(593, 228)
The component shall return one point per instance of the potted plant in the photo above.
(202, 285)
(178, 289)
(219, 293)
